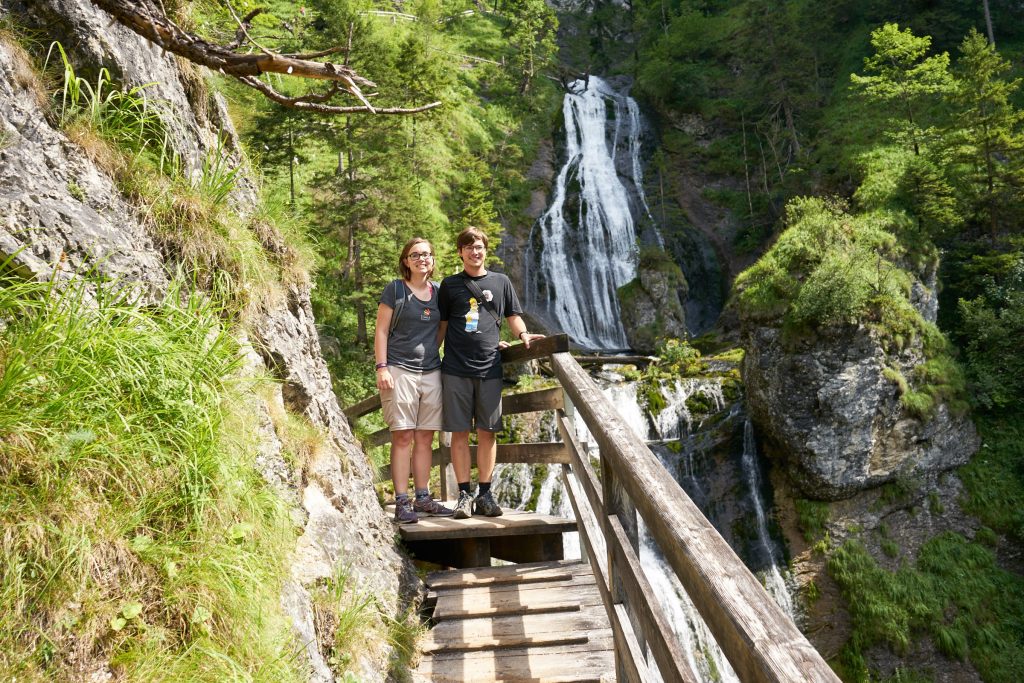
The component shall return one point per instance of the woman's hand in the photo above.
(384, 380)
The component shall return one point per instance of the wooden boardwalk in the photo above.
(541, 621)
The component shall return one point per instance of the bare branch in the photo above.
(141, 17)
(311, 103)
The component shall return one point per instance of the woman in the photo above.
(409, 376)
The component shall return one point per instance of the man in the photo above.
(472, 305)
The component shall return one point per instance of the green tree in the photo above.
(988, 140)
(901, 76)
(531, 35)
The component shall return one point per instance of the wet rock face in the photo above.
(830, 412)
(651, 310)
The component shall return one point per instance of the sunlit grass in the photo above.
(136, 529)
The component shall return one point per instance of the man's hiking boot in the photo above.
(485, 505)
(429, 506)
(404, 514)
(464, 508)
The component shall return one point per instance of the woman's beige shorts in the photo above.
(415, 402)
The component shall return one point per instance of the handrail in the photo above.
(758, 638)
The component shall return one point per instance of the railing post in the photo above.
(617, 504)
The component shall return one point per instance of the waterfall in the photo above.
(587, 239)
(772, 578)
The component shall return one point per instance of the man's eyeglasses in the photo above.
(421, 256)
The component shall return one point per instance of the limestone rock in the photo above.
(651, 309)
(829, 411)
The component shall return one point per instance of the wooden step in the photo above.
(495, 601)
(591, 660)
(519, 573)
(511, 523)
(507, 630)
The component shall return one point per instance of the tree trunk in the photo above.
(988, 23)
(361, 336)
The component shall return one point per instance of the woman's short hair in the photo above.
(470, 235)
(403, 268)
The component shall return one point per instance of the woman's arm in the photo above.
(380, 347)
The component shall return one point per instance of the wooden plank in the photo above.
(615, 359)
(506, 574)
(467, 604)
(467, 644)
(536, 665)
(520, 579)
(505, 609)
(629, 654)
(511, 523)
(532, 401)
(642, 601)
(590, 619)
(378, 438)
(482, 657)
(518, 353)
(759, 639)
(529, 453)
(364, 407)
(580, 463)
(582, 584)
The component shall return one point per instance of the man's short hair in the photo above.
(470, 235)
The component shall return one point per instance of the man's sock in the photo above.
(422, 494)
(464, 486)
(483, 487)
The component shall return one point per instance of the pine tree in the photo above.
(901, 76)
(989, 142)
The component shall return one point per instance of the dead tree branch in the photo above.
(142, 17)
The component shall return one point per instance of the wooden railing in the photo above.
(760, 641)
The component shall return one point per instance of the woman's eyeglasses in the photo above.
(421, 256)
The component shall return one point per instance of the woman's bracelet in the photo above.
(522, 333)
(381, 365)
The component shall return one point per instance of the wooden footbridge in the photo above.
(543, 618)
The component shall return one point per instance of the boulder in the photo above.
(828, 410)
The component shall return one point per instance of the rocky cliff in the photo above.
(830, 410)
(62, 215)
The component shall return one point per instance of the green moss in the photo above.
(700, 403)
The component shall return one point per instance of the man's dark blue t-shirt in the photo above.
(471, 342)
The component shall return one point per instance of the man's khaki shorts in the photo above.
(415, 402)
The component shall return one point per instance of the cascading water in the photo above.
(586, 241)
(583, 248)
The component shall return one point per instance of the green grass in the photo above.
(954, 594)
(137, 530)
(994, 479)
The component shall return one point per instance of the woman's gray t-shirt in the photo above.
(413, 342)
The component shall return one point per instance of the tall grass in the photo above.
(136, 530)
(955, 594)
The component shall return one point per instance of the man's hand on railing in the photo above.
(528, 337)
